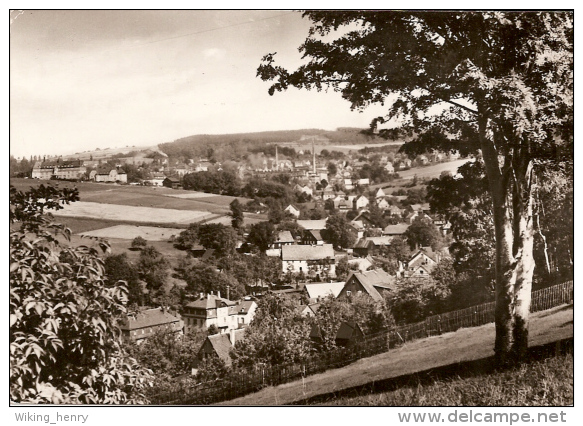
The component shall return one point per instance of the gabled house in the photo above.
(380, 193)
(370, 245)
(139, 326)
(219, 346)
(420, 264)
(372, 283)
(318, 260)
(312, 237)
(284, 238)
(360, 202)
(110, 174)
(223, 313)
(293, 210)
(383, 204)
(171, 182)
(349, 333)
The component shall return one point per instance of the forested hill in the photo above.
(199, 145)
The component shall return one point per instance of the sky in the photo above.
(80, 80)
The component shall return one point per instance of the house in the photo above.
(309, 310)
(319, 291)
(292, 210)
(363, 182)
(394, 230)
(390, 168)
(312, 237)
(383, 204)
(317, 260)
(363, 247)
(370, 245)
(349, 333)
(110, 174)
(358, 226)
(220, 345)
(157, 179)
(420, 264)
(372, 283)
(380, 193)
(73, 169)
(223, 313)
(360, 203)
(139, 326)
(418, 214)
(206, 311)
(171, 182)
(283, 238)
(393, 211)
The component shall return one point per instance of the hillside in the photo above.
(207, 145)
(465, 345)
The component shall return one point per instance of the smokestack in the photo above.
(219, 294)
(276, 164)
(232, 336)
(313, 155)
(228, 288)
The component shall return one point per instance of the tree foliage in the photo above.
(65, 343)
(339, 232)
(236, 214)
(219, 237)
(277, 335)
(262, 235)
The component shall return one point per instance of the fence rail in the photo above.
(241, 383)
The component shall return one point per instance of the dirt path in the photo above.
(464, 345)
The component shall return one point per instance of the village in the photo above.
(383, 207)
(300, 242)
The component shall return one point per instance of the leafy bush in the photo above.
(65, 344)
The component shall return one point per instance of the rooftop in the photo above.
(305, 252)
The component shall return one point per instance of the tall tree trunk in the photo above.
(523, 232)
(511, 190)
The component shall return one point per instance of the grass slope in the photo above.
(465, 345)
(547, 382)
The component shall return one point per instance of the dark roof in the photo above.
(374, 280)
(208, 254)
(221, 344)
(316, 234)
(210, 302)
(349, 330)
(148, 318)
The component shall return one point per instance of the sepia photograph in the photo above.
(266, 208)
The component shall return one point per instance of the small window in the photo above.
(348, 292)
